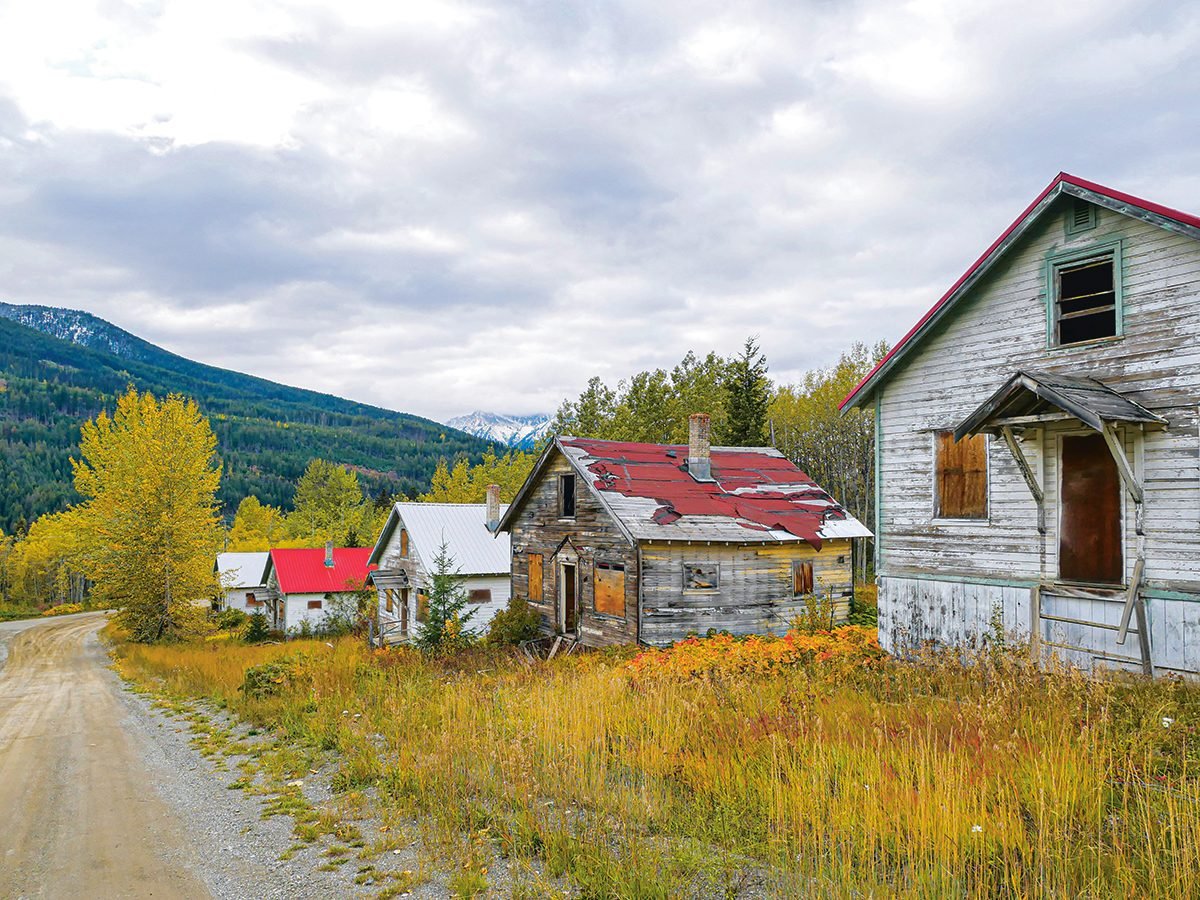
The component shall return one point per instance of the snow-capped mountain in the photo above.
(519, 432)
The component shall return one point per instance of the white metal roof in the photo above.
(246, 569)
(463, 528)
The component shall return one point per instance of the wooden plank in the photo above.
(1131, 598)
(1144, 639)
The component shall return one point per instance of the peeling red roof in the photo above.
(760, 490)
(303, 570)
(1061, 179)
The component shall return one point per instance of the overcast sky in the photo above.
(440, 207)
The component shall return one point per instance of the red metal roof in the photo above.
(759, 489)
(303, 570)
(1061, 179)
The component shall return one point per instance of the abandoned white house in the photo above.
(617, 542)
(1037, 444)
(243, 582)
(305, 585)
(405, 553)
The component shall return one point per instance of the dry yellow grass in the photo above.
(918, 780)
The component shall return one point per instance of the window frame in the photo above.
(563, 494)
(1067, 259)
(986, 518)
(715, 589)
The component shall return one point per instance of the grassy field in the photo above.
(806, 767)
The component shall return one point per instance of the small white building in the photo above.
(243, 581)
(405, 552)
(303, 584)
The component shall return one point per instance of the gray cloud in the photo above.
(485, 212)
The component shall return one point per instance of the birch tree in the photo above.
(149, 524)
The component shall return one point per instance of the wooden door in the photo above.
(568, 598)
(1089, 541)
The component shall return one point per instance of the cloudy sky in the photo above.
(444, 206)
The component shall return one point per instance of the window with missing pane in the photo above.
(1085, 292)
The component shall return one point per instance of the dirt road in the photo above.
(81, 817)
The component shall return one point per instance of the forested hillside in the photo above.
(267, 432)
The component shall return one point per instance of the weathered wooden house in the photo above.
(1036, 435)
(305, 585)
(405, 552)
(243, 583)
(617, 542)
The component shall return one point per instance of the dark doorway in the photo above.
(1089, 543)
(568, 598)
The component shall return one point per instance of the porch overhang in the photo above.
(1029, 399)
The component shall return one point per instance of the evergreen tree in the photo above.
(445, 625)
(748, 392)
(149, 521)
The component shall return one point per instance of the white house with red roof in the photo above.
(305, 585)
(1037, 463)
(617, 542)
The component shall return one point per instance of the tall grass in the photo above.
(927, 779)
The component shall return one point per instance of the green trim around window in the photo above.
(1055, 261)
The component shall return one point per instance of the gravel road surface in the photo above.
(100, 796)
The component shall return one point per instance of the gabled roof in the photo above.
(1063, 184)
(245, 569)
(303, 570)
(462, 526)
(757, 495)
(1034, 393)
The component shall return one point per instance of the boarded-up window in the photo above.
(404, 542)
(566, 496)
(422, 608)
(609, 582)
(701, 576)
(1089, 546)
(390, 596)
(251, 600)
(802, 578)
(960, 474)
(535, 578)
(314, 604)
(479, 595)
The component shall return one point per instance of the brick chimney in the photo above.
(329, 554)
(493, 507)
(699, 453)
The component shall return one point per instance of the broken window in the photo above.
(802, 578)
(960, 476)
(609, 581)
(479, 595)
(251, 600)
(1085, 306)
(566, 496)
(701, 577)
(535, 578)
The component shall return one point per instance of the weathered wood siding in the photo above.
(996, 330)
(755, 594)
(594, 536)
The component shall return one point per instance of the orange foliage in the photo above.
(723, 654)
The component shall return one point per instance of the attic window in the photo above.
(1085, 300)
(1081, 216)
(566, 496)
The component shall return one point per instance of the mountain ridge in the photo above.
(266, 431)
(515, 432)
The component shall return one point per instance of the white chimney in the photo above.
(699, 454)
(493, 507)
(329, 554)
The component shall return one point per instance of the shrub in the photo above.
(231, 619)
(64, 609)
(274, 677)
(515, 623)
(257, 630)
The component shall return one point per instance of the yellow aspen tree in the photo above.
(149, 475)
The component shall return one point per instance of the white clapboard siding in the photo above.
(999, 328)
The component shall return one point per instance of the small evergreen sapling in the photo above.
(445, 626)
